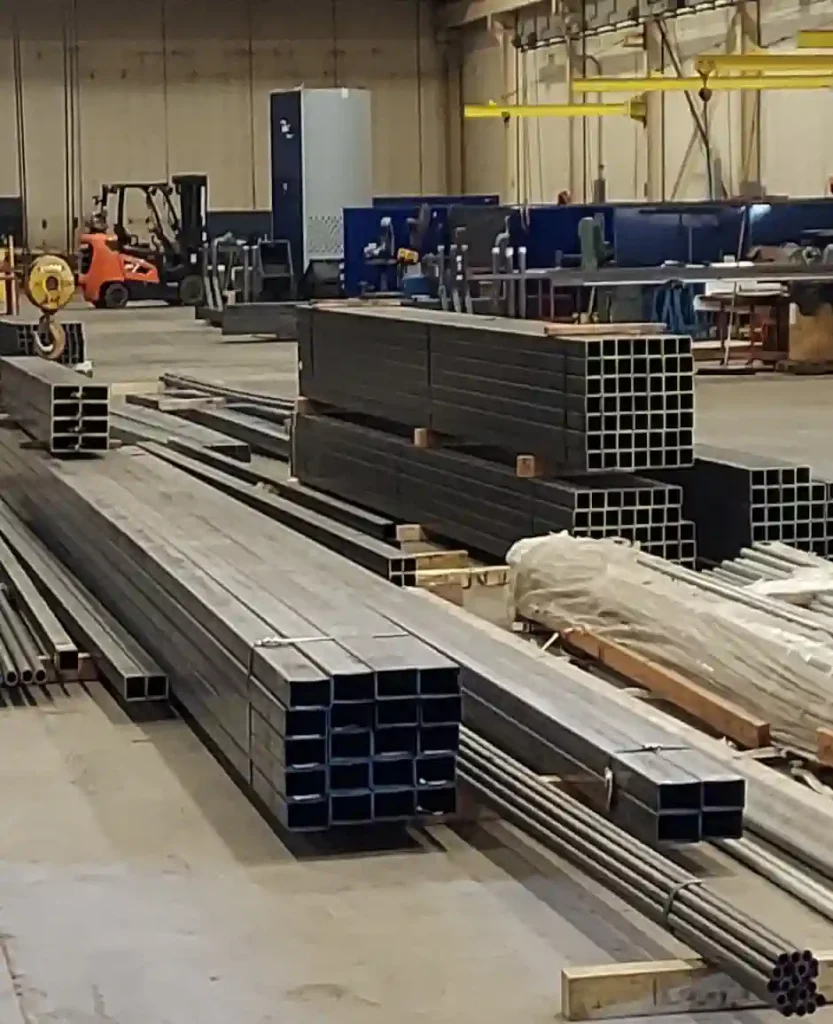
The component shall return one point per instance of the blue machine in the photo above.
(321, 163)
(362, 227)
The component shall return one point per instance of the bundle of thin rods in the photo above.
(763, 963)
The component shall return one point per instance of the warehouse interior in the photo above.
(416, 511)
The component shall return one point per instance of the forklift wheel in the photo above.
(191, 290)
(115, 295)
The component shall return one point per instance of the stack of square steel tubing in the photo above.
(17, 338)
(267, 636)
(612, 404)
(735, 499)
(483, 503)
(55, 405)
(329, 712)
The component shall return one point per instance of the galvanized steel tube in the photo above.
(764, 963)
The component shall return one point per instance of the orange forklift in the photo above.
(115, 267)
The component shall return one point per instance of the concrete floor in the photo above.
(138, 886)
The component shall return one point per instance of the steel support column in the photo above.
(655, 116)
(748, 29)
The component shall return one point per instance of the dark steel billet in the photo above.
(378, 556)
(764, 963)
(121, 660)
(135, 424)
(47, 629)
(19, 641)
(264, 438)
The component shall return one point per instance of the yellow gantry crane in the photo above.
(715, 72)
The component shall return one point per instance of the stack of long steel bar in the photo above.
(42, 622)
(17, 338)
(73, 612)
(208, 387)
(345, 513)
(133, 423)
(261, 435)
(386, 472)
(327, 710)
(204, 600)
(735, 499)
(340, 529)
(55, 405)
(765, 964)
(583, 405)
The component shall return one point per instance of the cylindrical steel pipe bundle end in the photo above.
(759, 960)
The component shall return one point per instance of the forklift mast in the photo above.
(192, 190)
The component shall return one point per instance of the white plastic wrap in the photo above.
(780, 672)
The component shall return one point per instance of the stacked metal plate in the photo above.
(582, 405)
(735, 498)
(17, 338)
(483, 503)
(327, 710)
(55, 405)
(234, 605)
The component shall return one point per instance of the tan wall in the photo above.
(548, 154)
(128, 90)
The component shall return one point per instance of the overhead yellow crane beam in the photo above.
(763, 61)
(815, 39)
(717, 83)
(634, 108)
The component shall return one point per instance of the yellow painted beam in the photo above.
(631, 108)
(716, 63)
(815, 39)
(717, 83)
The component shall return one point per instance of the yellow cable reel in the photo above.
(50, 285)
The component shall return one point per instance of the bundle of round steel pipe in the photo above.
(762, 962)
(20, 661)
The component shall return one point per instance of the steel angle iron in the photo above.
(50, 285)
